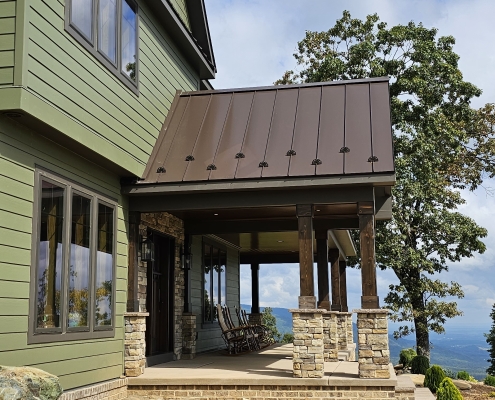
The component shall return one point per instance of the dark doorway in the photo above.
(160, 301)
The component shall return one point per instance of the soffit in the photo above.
(325, 129)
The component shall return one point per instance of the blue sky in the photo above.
(253, 43)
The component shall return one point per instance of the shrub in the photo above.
(490, 380)
(406, 356)
(433, 377)
(419, 365)
(449, 373)
(492, 394)
(463, 375)
(448, 391)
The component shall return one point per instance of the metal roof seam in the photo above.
(264, 164)
(293, 132)
(221, 135)
(245, 133)
(372, 156)
(317, 161)
(346, 149)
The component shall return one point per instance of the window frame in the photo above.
(65, 333)
(92, 45)
(218, 295)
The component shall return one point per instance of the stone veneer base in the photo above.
(134, 343)
(112, 390)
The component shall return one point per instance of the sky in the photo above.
(254, 42)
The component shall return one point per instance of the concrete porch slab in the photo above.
(271, 366)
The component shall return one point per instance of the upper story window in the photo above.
(108, 29)
(73, 277)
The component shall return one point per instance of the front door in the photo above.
(159, 302)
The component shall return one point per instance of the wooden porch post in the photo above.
(307, 299)
(369, 298)
(343, 286)
(255, 288)
(322, 264)
(333, 255)
(132, 266)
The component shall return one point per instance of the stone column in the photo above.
(330, 350)
(342, 331)
(188, 336)
(134, 343)
(307, 357)
(373, 350)
(350, 334)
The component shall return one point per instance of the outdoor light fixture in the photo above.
(186, 259)
(147, 249)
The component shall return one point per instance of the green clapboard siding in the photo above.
(7, 9)
(7, 36)
(7, 58)
(62, 73)
(7, 42)
(6, 75)
(7, 25)
(181, 8)
(79, 362)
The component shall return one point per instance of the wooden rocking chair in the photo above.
(235, 339)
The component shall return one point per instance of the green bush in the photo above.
(448, 391)
(419, 365)
(463, 375)
(406, 356)
(433, 377)
(489, 380)
(449, 373)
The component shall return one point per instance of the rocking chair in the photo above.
(235, 339)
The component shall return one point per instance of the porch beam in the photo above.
(369, 298)
(253, 198)
(255, 288)
(322, 268)
(132, 262)
(304, 214)
(204, 227)
(333, 256)
(343, 286)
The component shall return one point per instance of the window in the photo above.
(108, 29)
(73, 261)
(214, 266)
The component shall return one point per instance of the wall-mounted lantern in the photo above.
(147, 249)
(186, 259)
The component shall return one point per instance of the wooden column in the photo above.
(343, 286)
(255, 289)
(305, 227)
(322, 268)
(333, 256)
(132, 262)
(369, 298)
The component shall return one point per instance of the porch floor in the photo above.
(270, 366)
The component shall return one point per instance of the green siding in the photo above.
(60, 72)
(181, 8)
(209, 335)
(81, 362)
(7, 36)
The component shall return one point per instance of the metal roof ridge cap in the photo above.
(281, 87)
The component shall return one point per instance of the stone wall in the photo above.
(268, 392)
(188, 336)
(134, 343)
(172, 226)
(342, 330)
(330, 350)
(112, 390)
(307, 357)
(373, 349)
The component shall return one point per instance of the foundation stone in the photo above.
(134, 343)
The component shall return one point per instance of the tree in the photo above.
(490, 339)
(441, 145)
(288, 338)
(270, 321)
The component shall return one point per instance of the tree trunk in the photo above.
(421, 327)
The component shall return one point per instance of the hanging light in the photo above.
(147, 249)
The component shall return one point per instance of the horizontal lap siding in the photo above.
(77, 363)
(62, 73)
(7, 37)
(209, 335)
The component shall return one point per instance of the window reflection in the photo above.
(207, 288)
(107, 25)
(128, 39)
(223, 287)
(104, 266)
(215, 292)
(82, 16)
(79, 265)
(50, 256)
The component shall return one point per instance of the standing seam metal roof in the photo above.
(319, 129)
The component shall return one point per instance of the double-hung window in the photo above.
(214, 290)
(109, 30)
(72, 284)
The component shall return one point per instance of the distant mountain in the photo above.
(461, 350)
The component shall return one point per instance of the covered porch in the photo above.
(281, 174)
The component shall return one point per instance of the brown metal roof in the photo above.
(322, 129)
